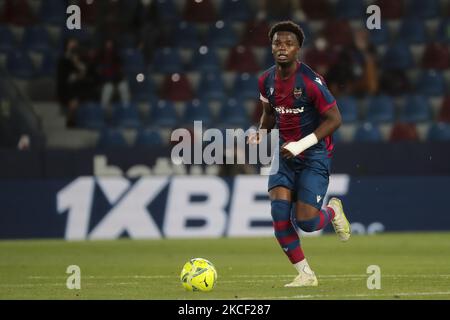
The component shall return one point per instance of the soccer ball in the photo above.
(198, 274)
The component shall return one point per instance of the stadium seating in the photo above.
(444, 112)
(416, 109)
(436, 56)
(241, 59)
(7, 41)
(398, 56)
(348, 108)
(233, 114)
(431, 83)
(185, 35)
(424, 9)
(221, 34)
(111, 138)
(205, 59)
(90, 115)
(317, 10)
(350, 9)
(380, 36)
(37, 39)
(148, 137)
(19, 65)
(48, 65)
(256, 34)
(413, 31)
(167, 60)
(391, 9)
(126, 116)
(199, 11)
(439, 132)
(338, 33)
(380, 109)
(245, 86)
(163, 114)
(236, 10)
(197, 110)
(403, 132)
(176, 87)
(367, 132)
(211, 87)
(53, 12)
(167, 10)
(443, 33)
(142, 89)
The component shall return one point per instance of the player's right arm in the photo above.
(266, 124)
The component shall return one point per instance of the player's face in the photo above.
(285, 47)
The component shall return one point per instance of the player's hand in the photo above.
(286, 153)
(254, 138)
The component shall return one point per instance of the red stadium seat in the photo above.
(89, 10)
(242, 59)
(444, 113)
(199, 11)
(317, 9)
(17, 12)
(338, 33)
(176, 87)
(404, 132)
(256, 34)
(391, 9)
(436, 56)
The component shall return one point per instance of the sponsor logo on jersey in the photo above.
(285, 110)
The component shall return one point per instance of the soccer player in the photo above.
(297, 101)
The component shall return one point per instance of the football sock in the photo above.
(284, 230)
(303, 266)
(318, 222)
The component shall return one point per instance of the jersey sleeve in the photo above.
(262, 91)
(322, 98)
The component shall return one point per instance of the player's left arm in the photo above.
(330, 121)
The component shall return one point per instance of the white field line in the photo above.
(321, 296)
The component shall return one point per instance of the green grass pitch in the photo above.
(413, 266)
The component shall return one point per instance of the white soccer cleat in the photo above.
(306, 278)
(340, 223)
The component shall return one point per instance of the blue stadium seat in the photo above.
(428, 9)
(221, 34)
(163, 114)
(36, 38)
(7, 42)
(348, 107)
(431, 83)
(148, 138)
(90, 115)
(416, 109)
(350, 9)
(236, 10)
(167, 10)
(111, 138)
(185, 35)
(82, 35)
(398, 56)
(198, 110)
(367, 132)
(167, 60)
(48, 65)
(380, 109)
(19, 65)
(141, 91)
(234, 114)
(53, 12)
(380, 36)
(126, 116)
(211, 87)
(133, 61)
(413, 31)
(443, 33)
(439, 132)
(245, 86)
(205, 60)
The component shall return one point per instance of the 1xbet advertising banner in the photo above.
(204, 206)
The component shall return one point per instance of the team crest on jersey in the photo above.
(297, 92)
(271, 90)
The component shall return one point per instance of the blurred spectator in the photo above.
(13, 132)
(111, 75)
(73, 84)
(17, 12)
(147, 24)
(355, 71)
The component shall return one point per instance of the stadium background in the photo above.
(180, 61)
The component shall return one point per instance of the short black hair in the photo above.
(288, 26)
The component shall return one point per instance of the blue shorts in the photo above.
(307, 178)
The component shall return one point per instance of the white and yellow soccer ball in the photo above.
(198, 274)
